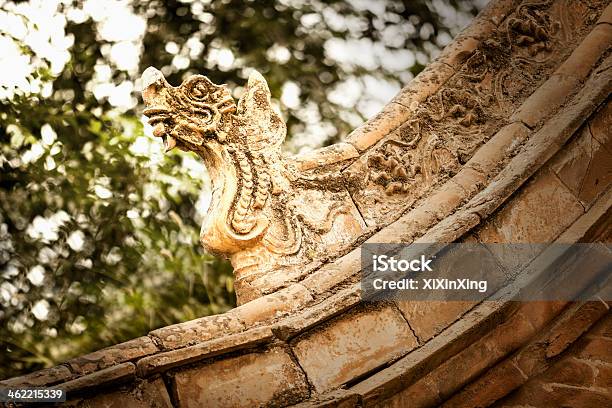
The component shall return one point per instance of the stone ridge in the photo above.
(319, 335)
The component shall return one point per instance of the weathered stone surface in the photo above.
(527, 365)
(586, 56)
(481, 80)
(119, 353)
(328, 308)
(493, 153)
(603, 328)
(445, 129)
(538, 394)
(428, 318)
(434, 208)
(585, 167)
(272, 306)
(423, 393)
(552, 94)
(197, 330)
(473, 326)
(333, 273)
(541, 146)
(595, 220)
(397, 171)
(325, 156)
(581, 378)
(501, 379)
(572, 325)
(470, 180)
(146, 394)
(425, 84)
(383, 123)
(600, 126)
(335, 399)
(548, 98)
(465, 366)
(225, 344)
(40, 378)
(268, 378)
(542, 210)
(120, 373)
(497, 11)
(597, 348)
(330, 357)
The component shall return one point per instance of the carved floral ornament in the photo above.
(446, 128)
(257, 216)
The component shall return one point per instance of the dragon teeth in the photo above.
(169, 142)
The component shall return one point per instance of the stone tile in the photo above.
(334, 273)
(603, 327)
(119, 353)
(428, 318)
(352, 345)
(496, 383)
(335, 399)
(600, 126)
(597, 349)
(310, 317)
(588, 53)
(272, 306)
(325, 156)
(267, 378)
(40, 378)
(492, 154)
(570, 371)
(427, 83)
(545, 100)
(423, 393)
(197, 330)
(147, 394)
(572, 325)
(183, 356)
(470, 180)
(409, 369)
(117, 374)
(536, 214)
(540, 394)
(388, 119)
(585, 167)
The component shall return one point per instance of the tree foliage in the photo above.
(98, 230)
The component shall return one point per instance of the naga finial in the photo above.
(261, 215)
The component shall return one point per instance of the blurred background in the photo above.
(98, 228)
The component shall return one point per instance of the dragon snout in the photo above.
(152, 81)
(154, 94)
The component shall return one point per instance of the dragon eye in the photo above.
(199, 91)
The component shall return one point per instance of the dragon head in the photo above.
(187, 115)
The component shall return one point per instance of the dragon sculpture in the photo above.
(258, 216)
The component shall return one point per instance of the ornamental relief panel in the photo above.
(446, 130)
